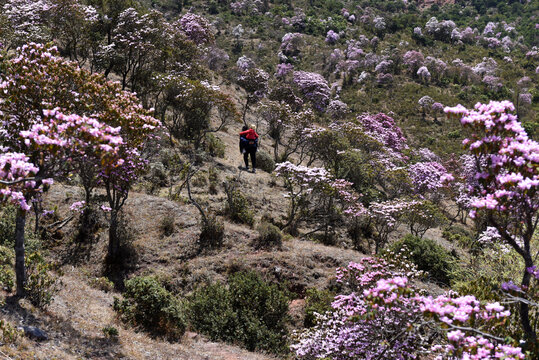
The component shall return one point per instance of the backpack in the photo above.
(244, 142)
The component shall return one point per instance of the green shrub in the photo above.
(249, 311)
(167, 225)
(7, 275)
(237, 207)
(7, 225)
(150, 306)
(9, 333)
(41, 283)
(316, 301)
(213, 179)
(265, 162)
(102, 283)
(482, 287)
(269, 236)
(110, 332)
(215, 146)
(212, 233)
(429, 257)
(461, 237)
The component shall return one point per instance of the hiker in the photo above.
(249, 139)
(243, 140)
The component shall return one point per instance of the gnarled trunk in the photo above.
(529, 332)
(20, 269)
(114, 240)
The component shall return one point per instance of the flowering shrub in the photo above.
(337, 109)
(283, 70)
(291, 43)
(426, 177)
(423, 73)
(413, 60)
(197, 28)
(247, 7)
(383, 129)
(332, 37)
(314, 87)
(385, 317)
(358, 327)
(314, 195)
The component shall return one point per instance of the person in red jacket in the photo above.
(251, 146)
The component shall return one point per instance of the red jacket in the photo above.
(249, 134)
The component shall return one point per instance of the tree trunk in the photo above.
(529, 332)
(114, 241)
(20, 269)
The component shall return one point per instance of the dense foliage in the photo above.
(249, 311)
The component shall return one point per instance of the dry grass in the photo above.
(74, 324)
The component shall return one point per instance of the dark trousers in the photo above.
(251, 152)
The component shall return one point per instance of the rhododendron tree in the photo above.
(254, 81)
(247, 7)
(287, 129)
(422, 216)
(506, 169)
(65, 120)
(361, 327)
(385, 317)
(74, 26)
(27, 21)
(337, 109)
(51, 144)
(314, 196)
(291, 44)
(133, 42)
(385, 217)
(332, 37)
(185, 107)
(197, 28)
(427, 178)
(424, 74)
(413, 60)
(314, 87)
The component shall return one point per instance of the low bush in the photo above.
(316, 302)
(7, 225)
(265, 162)
(41, 283)
(7, 275)
(237, 207)
(110, 332)
(9, 333)
(213, 179)
(249, 311)
(429, 257)
(167, 225)
(269, 236)
(215, 146)
(149, 305)
(461, 237)
(212, 233)
(102, 283)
